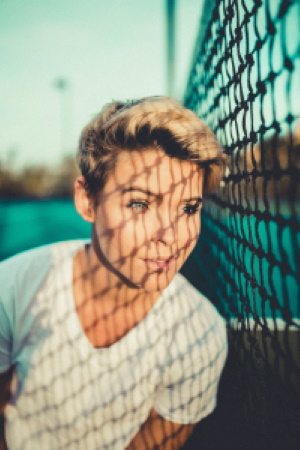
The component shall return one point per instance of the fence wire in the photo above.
(245, 83)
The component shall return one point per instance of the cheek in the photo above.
(188, 234)
(120, 239)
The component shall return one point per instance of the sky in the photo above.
(104, 50)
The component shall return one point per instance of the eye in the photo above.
(191, 209)
(138, 205)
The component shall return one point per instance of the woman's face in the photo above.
(147, 220)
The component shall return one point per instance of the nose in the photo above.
(164, 230)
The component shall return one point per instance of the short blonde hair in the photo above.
(150, 122)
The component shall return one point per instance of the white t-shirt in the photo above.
(68, 394)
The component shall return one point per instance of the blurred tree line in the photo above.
(269, 169)
(38, 181)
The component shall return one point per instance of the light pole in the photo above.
(170, 11)
(63, 87)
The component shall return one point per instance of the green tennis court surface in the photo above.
(28, 224)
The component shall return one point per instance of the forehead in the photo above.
(156, 170)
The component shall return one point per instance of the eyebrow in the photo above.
(152, 194)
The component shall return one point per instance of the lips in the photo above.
(159, 259)
(161, 263)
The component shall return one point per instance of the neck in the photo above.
(107, 308)
(98, 284)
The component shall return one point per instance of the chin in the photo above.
(156, 282)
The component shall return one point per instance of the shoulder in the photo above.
(191, 302)
(22, 274)
(199, 327)
(22, 270)
(23, 264)
(27, 281)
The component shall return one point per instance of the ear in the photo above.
(83, 203)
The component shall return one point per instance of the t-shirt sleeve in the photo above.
(20, 277)
(5, 338)
(192, 396)
(188, 389)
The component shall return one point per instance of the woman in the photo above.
(110, 346)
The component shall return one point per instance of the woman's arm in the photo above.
(5, 385)
(160, 434)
